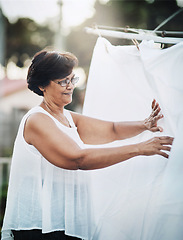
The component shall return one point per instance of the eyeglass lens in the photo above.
(67, 81)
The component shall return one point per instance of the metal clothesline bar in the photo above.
(128, 29)
(168, 19)
(138, 36)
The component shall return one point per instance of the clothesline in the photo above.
(138, 36)
(135, 30)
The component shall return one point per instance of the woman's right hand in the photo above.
(156, 145)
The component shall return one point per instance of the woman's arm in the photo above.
(62, 151)
(130, 129)
(105, 157)
(94, 131)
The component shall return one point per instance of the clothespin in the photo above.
(133, 40)
(136, 43)
(99, 34)
(98, 31)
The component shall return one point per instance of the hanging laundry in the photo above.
(164, 67)
(131, 199)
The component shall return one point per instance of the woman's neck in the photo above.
(52, 107)
(56, 111)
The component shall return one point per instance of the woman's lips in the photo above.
(69, 93)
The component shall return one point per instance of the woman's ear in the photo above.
(42, 89)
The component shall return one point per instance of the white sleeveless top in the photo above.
(43, 196)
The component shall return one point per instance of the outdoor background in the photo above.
(27, 26)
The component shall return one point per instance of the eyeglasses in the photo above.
(67, 81)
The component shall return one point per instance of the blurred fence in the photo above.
(5, 164)
(6, 133)
(9, 123)
(8, 128)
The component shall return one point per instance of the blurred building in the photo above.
(16, 95)
(16, 100)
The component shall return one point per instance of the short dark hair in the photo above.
(47, 66)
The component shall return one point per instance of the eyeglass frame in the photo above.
(66, 81)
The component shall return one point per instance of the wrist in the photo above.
(144, 125)
(139, 149)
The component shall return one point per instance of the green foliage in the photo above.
(25, 38)
(139, 14)
(7, 152)
(3, 194)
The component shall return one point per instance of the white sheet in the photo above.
(133, 199)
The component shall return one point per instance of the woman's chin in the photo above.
(68, 102)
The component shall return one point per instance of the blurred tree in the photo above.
(160, 10)
(143, 14)
(25, 38)
(2, 38)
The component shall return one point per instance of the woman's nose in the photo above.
(70, 85)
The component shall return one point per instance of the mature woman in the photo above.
(48, 195)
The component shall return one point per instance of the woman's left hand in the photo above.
(151, 122)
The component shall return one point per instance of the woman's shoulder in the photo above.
(37, 123)
(38, 118)
(37, 113)
(36, 109)
(73, 114)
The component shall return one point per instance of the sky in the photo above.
(74, 12)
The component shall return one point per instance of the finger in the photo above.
(156, 118)
(160, 129)
(166, 140)
(153, 103)
(156, 106)
(166, 148)
(166, 137)
(156, 129)
(156, 112)
(163, 154)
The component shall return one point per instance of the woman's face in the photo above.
(60, 95)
